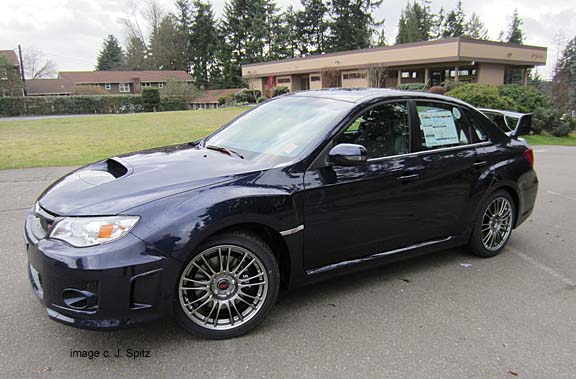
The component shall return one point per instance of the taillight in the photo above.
(529, 154)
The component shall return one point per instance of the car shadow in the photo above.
(166, 334)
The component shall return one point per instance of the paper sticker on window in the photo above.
(288, 149)
(438, 127)
(456, 113)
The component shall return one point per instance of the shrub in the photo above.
(174, 103)
(449, 85)
(549, 119)
(525, 98)
(416, 87)
(151, 99)
(482, 95)
(280, 90)
(247, 96)
(563, 129)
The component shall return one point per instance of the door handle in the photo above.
(479, 164)
(408, 178)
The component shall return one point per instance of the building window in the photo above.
(405, 74)
(160, 85)
(146, 84)
(355, 75)
(314, 78)
(124, 87)
(283, 80)
(108, 86)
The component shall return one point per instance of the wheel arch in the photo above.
(269, 235)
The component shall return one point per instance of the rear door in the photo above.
(451, 167)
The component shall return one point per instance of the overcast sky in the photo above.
(70, 32)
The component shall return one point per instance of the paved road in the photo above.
(447, 315)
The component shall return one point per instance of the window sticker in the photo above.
(438, 127)
(289, 148)
(456, 113)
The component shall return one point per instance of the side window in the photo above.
(383, 130)
(442, 125)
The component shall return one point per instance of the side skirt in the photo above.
(357, 261)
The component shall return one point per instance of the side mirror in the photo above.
(348, 154)
(523, 126)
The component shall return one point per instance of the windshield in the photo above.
(280, 129)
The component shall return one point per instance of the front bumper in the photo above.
(105, 287)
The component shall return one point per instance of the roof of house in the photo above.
(10, 55)
(48, 87)
(122, 76)
(211, 96)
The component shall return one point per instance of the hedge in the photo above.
(56, 105)
(53, 105)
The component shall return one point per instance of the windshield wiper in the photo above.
(224, 150)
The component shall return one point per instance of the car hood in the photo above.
(117, 184)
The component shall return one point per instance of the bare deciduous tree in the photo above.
(36, 66)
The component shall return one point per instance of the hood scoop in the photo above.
(103, 172)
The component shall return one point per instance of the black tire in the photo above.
(476, 245)
(265, 258)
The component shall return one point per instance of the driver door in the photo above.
(355, 211)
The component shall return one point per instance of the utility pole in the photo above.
(22, 69)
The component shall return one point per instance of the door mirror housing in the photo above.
(348, 154)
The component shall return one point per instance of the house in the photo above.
(104, 82)
(210, 99)
(430, 63)
(10, 77)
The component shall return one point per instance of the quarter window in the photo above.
(442, 125)
(383, 130)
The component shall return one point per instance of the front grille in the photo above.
(41, 222)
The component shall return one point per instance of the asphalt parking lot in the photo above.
(447, 315)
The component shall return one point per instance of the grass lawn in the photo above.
(81, 140)
(551, 140)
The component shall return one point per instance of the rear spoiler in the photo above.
(514, 124)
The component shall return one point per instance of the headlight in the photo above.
(90, 231)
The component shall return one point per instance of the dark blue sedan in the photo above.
(300, 188)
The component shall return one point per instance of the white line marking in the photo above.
(561, 195)
(543, 267)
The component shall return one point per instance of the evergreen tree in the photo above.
(352, 24)
(514, 34)
(246, 28)
(135, 54)
(164, 45)
(286, 42)
(111, 56)
(475, 28)
(415, 23)
(183, 22)
(381, 41)
(203, 42)
(438, 24)
(312, 26)
(455, 25)
(564, 82)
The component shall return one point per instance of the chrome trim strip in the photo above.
(350, 262)
(292, 231)
(417, 153)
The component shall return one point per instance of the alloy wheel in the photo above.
(496, 223)
(223, 287)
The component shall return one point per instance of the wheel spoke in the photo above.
(251, 284)
(210, 313)
(236, 309)
(249, 296)
(247, 303)
(230, 315)
(220, 259)
(239, 264)
(246, 267)
(207, 264)
(228, 260)
(201, 269)
(217, 314)
(196, 281)
(196, 288)
(251, 278)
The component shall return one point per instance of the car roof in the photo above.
(361, 95)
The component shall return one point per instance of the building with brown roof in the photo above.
(211, 98)
(430, 63)
(104, 82)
